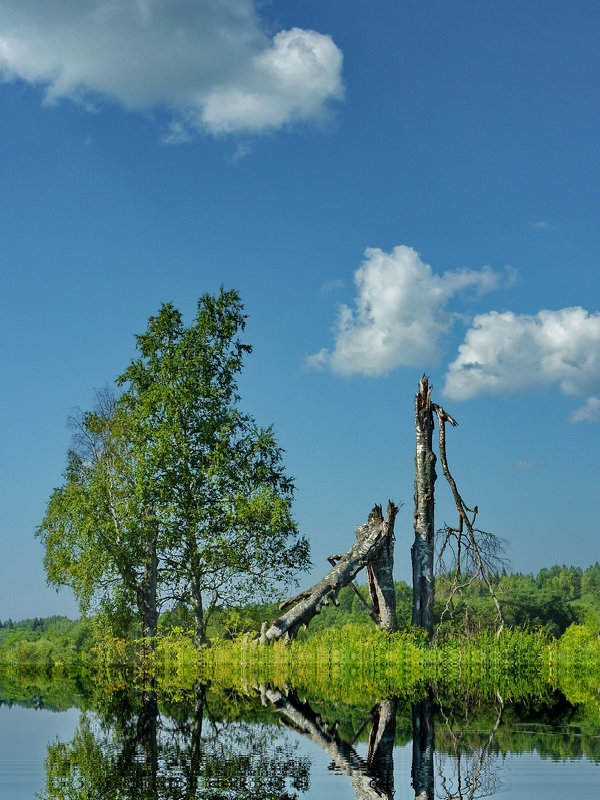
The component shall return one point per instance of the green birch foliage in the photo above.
(172, 492)
(215, 478)
(93, 529)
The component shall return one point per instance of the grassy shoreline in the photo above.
(353, 660)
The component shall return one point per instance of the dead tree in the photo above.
(373, 539)
(422, 551)
(474, 775)
(474, 546)
(380, 579)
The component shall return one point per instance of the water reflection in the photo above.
(192, 754)
(466, 771)
(255, 744)
(372, 777)
(423, 749)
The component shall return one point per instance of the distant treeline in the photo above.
(550, 601)
(46, 641)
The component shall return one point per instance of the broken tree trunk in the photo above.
(372, 538)
(380, 578)
(423, 548)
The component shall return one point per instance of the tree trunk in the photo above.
(380, 577)
(380, 759)
(146, 737)
(195, 750)
(372, 538)
(198, 610)
(423, 548)
(147, 590)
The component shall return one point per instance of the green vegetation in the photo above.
(352, 662)
(172, 493)
(553, 600)
(559, 609)
(46, 643)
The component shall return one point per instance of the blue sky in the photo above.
(395, 189)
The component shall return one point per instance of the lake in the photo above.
(74, 740)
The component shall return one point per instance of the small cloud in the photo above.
(590, 412)
(522, 466)
(511, 276)
(318, 360)
(540, 226)
(177, 133)
(331, 286)
(242, 150)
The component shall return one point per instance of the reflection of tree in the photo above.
(216, 744)
(190, 755)
(469, 773)
(423, 743)
(373, 778)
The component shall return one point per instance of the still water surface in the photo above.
(220, 744)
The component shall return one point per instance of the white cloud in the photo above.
(510, 352)
(399, 315)
(590, 412)
(208, 62)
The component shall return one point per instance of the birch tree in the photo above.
(172, 492)
(222, 495)
(100, 531)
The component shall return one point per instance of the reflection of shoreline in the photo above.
(138, 746)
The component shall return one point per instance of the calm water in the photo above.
(219, 744)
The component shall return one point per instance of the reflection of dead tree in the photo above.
(423, 749)
(374, 549)
(476, 553)
(373, 778)
(473, 779)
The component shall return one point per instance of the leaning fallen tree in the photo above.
(373, 548)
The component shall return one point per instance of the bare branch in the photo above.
(482, 557)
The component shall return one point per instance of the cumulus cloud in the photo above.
(510, 352)
(208, 62)
(399, 314)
